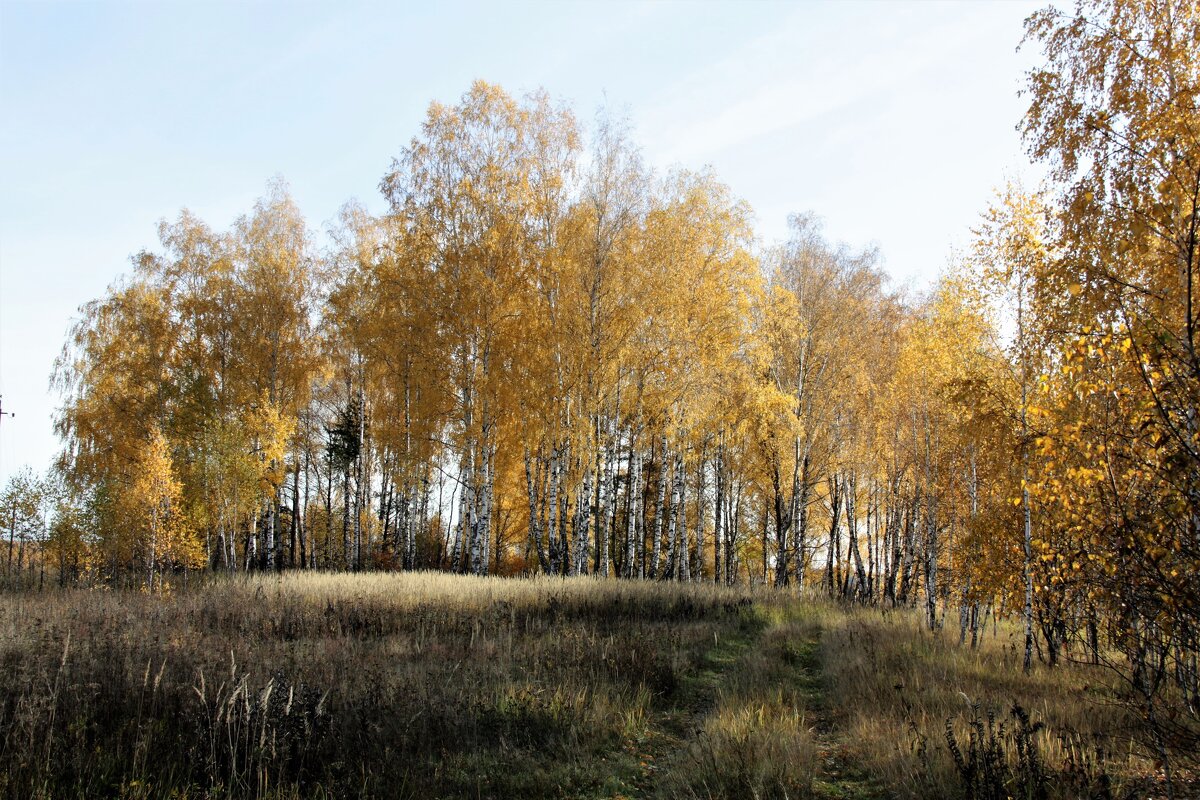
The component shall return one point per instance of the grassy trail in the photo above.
(675, 727)
(782, 650)
(838, 776)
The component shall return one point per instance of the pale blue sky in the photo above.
(891, 120)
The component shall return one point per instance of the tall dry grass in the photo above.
(433, 685)
(402, 685)
(757, 739)
(905, 699)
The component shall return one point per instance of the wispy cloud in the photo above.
(792, 76)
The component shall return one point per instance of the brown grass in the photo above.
(430, 685)
(405, 685)
(896, 685)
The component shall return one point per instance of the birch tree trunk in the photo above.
(271, 503)
(606, 516)
(422, 518)
(909, 551)
(860, 575)
(697, 559)
(800, 520)
(466, 510)
(835, 510)
(481, 544)
(892, 536)
(564, 516)
(967, 613)
(656, 552)
(872, 561)
(718, 500)
(679, 541)
(931, 538)
(634, 491)
(552, 517)
(1026, 512)
(360, 477)
(732, 522)
(250, 548)
(295, 527)
(766, 524)
(579, 550)
(347, 543)
(532, 487)
(782, 523)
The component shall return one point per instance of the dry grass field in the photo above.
(430, 685)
